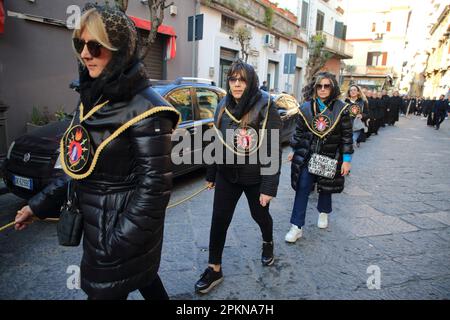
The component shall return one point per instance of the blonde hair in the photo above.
(92, 21)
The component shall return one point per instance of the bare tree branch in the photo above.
(156, 9)
(243, 36)
(317, 56)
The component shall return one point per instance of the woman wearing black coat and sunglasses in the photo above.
(323, 128)
(116, 154)
(251, 115)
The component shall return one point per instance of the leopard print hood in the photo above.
(120, 29)
(124, 74)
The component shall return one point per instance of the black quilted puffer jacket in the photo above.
(337, 142)
(123, 200)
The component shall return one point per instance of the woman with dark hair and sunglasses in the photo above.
(116, 154)
(324, 128)
(359, 112)
(252, 117)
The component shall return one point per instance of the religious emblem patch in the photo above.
(245, 139)
(321, 123)
(355, 110)
(76, 148)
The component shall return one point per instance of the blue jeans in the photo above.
(305, 183)
(356, 135)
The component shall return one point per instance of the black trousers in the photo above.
(440, 117)
(155, 291)
(226, 197)
(431, 119)
(374, 125)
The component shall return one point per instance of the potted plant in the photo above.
(38, 118)
(60, 114)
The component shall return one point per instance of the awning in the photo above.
(2, 17)
(171, 44)
(146, 25)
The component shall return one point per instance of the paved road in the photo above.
(393, 217)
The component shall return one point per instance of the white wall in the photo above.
(214, 39)
(331, 15)
(360, 19)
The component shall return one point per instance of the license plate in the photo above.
(22, 182)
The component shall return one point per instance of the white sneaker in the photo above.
(294, 234)
(322, 223)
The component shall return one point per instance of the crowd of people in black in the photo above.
(434, 110)
(378, 109)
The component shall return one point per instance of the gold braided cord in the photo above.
(110, 138)
(90, 113)
(329, 130)
(219, 134)
(231, 116)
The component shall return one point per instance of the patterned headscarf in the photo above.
(118, 81)
(120, 29)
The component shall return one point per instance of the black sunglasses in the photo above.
(235, 79)
(323, 86)
(93, 47)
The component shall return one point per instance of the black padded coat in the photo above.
(123, 200)
(337, 142)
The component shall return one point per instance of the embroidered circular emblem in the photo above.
(76, 148)
(245, 139)
(321, 123)
(355, 110)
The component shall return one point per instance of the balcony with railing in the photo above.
(337, 46)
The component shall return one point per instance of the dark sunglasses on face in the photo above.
(94, 48)
(235, 79)
(323, 86)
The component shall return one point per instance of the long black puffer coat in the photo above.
(337, 142)
(117, 153)
(123, 200)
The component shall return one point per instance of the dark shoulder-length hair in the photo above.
(250, 95)
(310, 92)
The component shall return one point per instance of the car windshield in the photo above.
(160, 90)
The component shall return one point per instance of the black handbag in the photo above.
(70, 225)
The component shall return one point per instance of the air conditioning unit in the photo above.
(269, 40)
(173, 10)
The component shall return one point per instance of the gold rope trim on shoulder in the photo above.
(219, 134)
(92, 111)
(110, 138)
(329, 130)
(231, 116)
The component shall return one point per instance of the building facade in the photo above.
(426, 55)
(276, 49)
(327, 17)
(378, 33)
(437, 71)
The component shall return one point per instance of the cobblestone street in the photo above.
(394, 214)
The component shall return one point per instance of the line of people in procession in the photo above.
(435, 111)
(116, 156)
